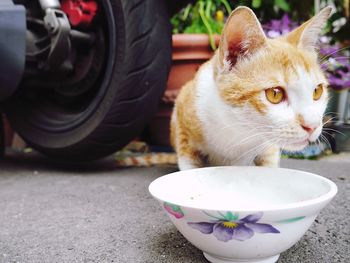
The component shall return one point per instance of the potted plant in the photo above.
(196, 31)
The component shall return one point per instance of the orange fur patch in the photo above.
(272, 67)
(186, 130)
(300, 119)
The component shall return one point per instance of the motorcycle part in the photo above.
(80, 12)
(112, 92)
(12, 47)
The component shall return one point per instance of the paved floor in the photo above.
(340, 157)
(96, 213)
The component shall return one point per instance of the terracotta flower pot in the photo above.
(189, 52)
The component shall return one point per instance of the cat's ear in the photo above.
(306, 35)
(242, 35)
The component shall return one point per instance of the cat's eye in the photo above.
(275, 95)
(318, 92)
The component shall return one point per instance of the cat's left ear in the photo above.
(306, 35)
(241, 37)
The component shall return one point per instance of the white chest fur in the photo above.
(228, 140)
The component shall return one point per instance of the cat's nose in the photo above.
(309, 129)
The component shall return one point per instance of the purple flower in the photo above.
(335, 62)
(278, 27)
(327, 49)
(231, 227)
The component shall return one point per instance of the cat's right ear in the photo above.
(242, 35)
(306, 35)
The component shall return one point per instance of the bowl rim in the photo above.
(301, 204)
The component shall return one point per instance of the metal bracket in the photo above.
(52, 51)
(58, 26)
(54, 4)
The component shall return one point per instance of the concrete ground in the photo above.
(97, 213)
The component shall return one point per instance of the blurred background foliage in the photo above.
(208, 16)
(278, 17)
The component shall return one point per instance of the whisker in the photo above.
(326, 141)
(256, 148)
(330, 120)
(340, 57)
(329, 129)
(318, 142)
(323, 62)
(273, 143)
(331, 112)
(334, 52)
(330, 134)
(322, 146)
(233, 147)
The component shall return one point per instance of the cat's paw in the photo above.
(186, 163)
(269, 158)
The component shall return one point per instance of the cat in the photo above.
(255, 97)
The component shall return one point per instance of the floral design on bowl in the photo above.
(174, 210)
(229, 226)
(242, 214)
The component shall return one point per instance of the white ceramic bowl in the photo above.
(242, 214)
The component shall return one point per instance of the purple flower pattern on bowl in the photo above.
(228, 226)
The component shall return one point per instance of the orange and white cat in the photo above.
(254, 97)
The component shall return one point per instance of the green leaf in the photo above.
(228, 216)
(207, 9)
(186, 12)
(206, 24)
(291, 220)
(217, 218)
(283, 5)
(256, 3)
(227, 6)
(175, 208)
(195, 29)
(231, 217)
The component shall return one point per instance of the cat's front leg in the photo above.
(188, 157)
(269, 158)
(187, 163)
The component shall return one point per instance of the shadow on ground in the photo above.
(171, 246)
(36, 160)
